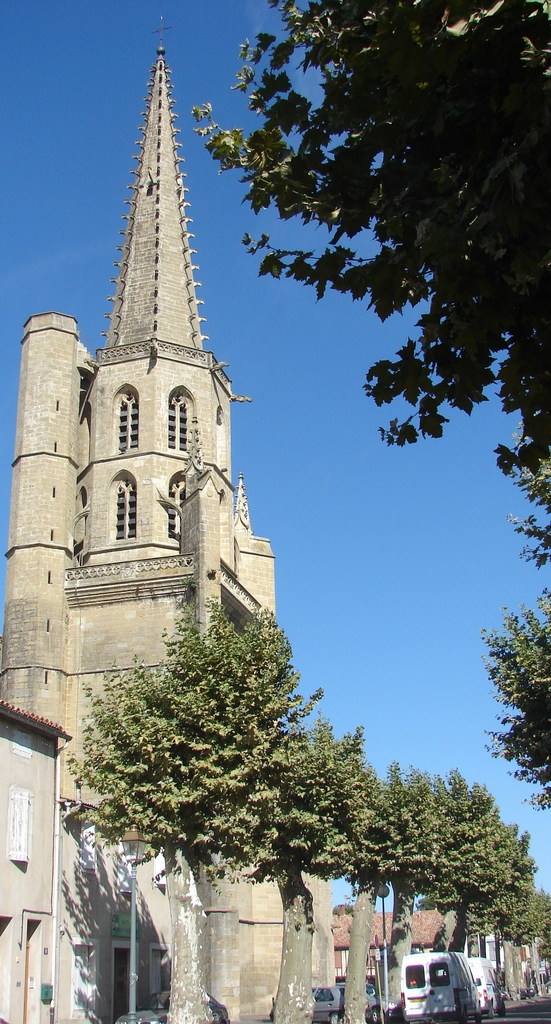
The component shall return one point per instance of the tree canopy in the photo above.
(317, 794)
(179, 751)
(537, 526)
(416, 133)
(519, 665)
(483, 872)
(185, 753)
(542, 910)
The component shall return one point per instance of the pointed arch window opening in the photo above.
(178, 422)
(127, 510)
(177, 494)
(128, 423)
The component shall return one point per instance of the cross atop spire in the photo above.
(155, 290)
(161, 30)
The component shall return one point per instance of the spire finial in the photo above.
(155, 297)
(241, 513)
(162, 28)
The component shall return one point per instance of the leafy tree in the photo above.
(511, 910)
(519, 665)
(183, 753)
(542, 909)
(392, 840)
(316, 792)
(364, 867)
(425, 903)
(412, 820)
(480, 858)
(416, 134)
(519, 661)
(537, 488)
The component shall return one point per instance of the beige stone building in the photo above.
(122, 496)
(30, 749)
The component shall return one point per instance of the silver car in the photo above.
(155, 1011)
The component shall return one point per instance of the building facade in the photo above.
(30, 749)
(123, 510)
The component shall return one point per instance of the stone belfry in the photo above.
(122, 494)
(122, 510)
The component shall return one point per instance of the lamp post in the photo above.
(383, 891)
(134, 844)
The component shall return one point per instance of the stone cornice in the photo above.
(238, 591)
(145, 349)
(113, 582)
(159, 349)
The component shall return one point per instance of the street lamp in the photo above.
(134, 844)
(383, 891)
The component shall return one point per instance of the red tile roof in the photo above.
(426, 924)
(39, 723)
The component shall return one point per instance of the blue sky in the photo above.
(389, 562)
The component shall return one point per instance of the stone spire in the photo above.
(242, 516)
(155, 294)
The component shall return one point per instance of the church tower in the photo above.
(123, 509)
(123, 505)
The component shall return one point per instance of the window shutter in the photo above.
(88, 847)
(124, 880)
(19, 824)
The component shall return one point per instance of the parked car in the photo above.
(394, 1012)
(372, 1006)
(328, 1004)
(154, 1010)
(219, 1011)
(489, 995)
(501, 1009)
(438, 987)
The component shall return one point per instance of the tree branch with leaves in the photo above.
(416, 135)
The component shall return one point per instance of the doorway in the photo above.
(121, 971)
(31, 992)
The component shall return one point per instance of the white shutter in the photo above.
(88, 847)
(124, 875)
(83, 981)
(19, 827)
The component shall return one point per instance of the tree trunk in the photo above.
(400, 941)
(188, 1002)
(520, 979)
(499, 960)
(293, 1003)
(499, 965)
(536, 974)
(510, 972)
(444, 937)
(460, 932)
(360, 935)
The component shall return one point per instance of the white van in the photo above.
(486, 982)
(439, 987)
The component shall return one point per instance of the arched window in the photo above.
(127, 509)
(128, 420)
(177, 494)
(79, 525)
(177, 421)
